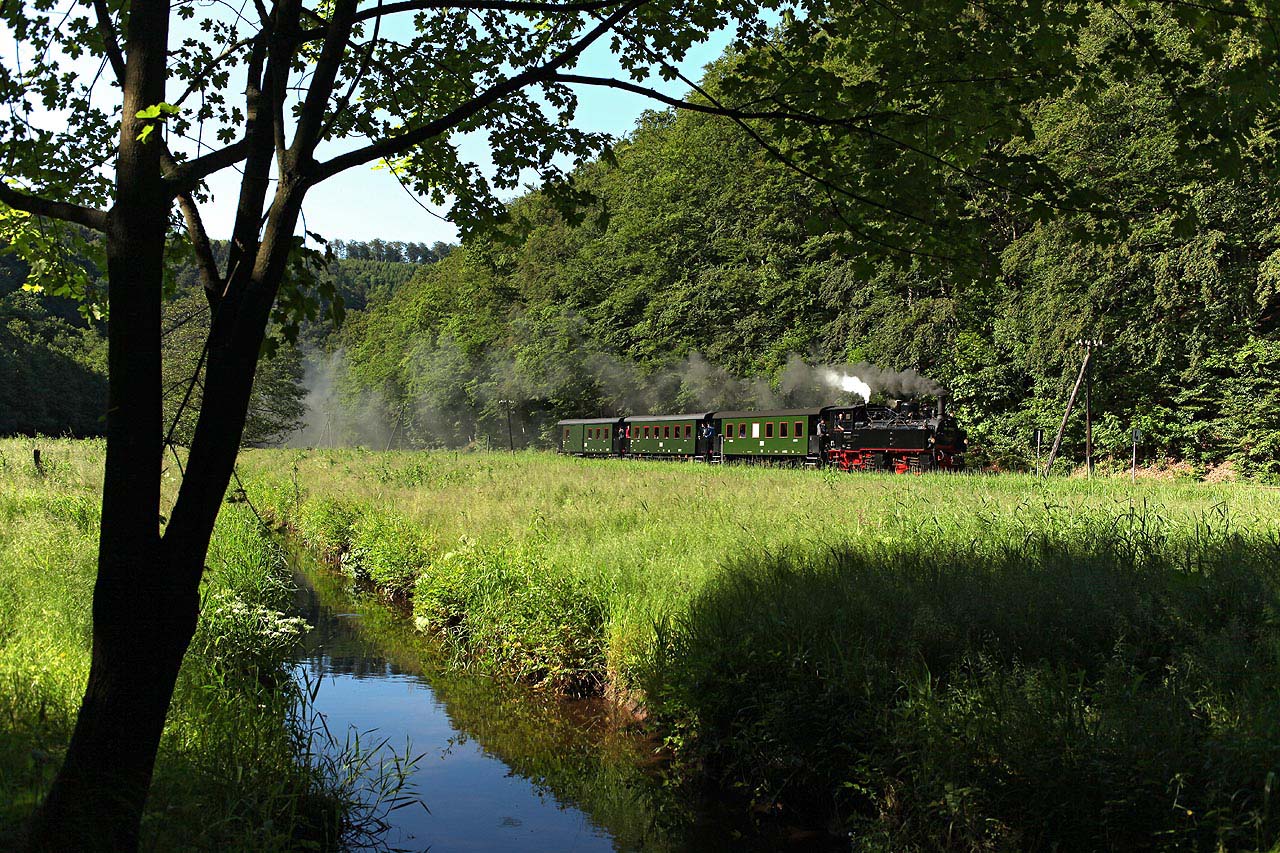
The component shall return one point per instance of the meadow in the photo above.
(937, 662)
(242, 766)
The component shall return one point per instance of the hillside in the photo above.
(706, 267)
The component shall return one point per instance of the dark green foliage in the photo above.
(1102, 684)
(1098, 214)
(52, 372)
(275, 406)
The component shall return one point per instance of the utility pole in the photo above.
(1137, 436)
(511, 442)
(1089, 346)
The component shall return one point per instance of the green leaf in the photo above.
(158, 111)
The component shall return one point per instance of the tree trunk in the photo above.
(144, 606)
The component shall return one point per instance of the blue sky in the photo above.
(362, 204)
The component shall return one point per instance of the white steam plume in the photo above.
(849, 384)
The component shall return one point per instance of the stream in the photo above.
(502, 768)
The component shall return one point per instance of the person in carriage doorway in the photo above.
(708, 433)
(822, 436)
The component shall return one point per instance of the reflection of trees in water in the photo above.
(336, 644)
(572, 751)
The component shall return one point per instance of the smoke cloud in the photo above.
(337, 416)
(456, 398)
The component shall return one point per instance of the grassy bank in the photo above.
(235, 769)
(932, 662)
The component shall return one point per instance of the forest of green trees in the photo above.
(705, 258)
(705, 265)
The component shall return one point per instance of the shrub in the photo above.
(327, 526)
(387, 551)
(517, 615)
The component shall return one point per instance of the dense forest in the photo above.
(706, 269)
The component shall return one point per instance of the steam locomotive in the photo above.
(903, 437)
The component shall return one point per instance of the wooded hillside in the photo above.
(705, 256)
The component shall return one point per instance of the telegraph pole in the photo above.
(511, 442)
(1089, 346)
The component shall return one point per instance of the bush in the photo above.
(516, 615)
(387, 551)
(326, 526)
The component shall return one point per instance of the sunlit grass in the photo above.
(241, 766)
(906, 657)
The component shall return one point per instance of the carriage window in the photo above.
(666, 432)
(688, 430)
(606, 432)
(742, 430)
(646, 432)
(799, 428)
(768, 430)
(566, 433)
(782, 430)
(728, 430)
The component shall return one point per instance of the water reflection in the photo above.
(504, 768)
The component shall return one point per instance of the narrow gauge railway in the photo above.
(907, 436)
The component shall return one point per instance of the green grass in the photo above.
(241, 766)
(959, 662)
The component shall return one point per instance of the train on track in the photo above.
(906, 436)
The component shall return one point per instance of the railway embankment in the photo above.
(940, 661)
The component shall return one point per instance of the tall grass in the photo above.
(934, 662)
(243, 764)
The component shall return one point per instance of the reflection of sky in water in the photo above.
(476, 802)
(504, 768)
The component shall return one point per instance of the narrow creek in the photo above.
(503, 768)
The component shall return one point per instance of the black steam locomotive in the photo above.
(904, 436)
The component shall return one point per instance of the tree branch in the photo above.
(186, 176)
(110, 41)
(89, 217)
(711, 109)
(311, 116)
(544, 8)
(398, 144)
(210, 280)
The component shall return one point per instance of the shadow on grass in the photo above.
(1104, 685)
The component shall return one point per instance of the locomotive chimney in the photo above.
(942, 404)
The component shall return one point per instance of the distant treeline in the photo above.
(397, 251)
(53, 361)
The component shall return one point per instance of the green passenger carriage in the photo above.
(591, 436)
(667, 435)
(782, 433)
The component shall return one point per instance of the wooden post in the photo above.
(1062, 428)
(1088, 414)
(511, 442)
